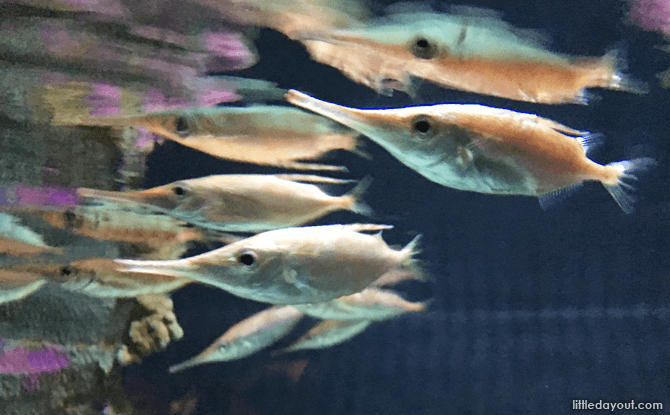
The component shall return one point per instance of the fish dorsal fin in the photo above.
(559, 127)
(364, 227)
(590, 141)
(310, 178)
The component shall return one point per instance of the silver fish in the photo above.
(329, 333)
(247, 337)
(292, 265)
(370, 304)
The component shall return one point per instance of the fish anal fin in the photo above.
(309, 178)
(354, 201)
(297, 165)
(554, 198)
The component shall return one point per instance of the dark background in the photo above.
(531, 309)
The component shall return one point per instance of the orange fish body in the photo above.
(479, 54)
(260, 134)
(99, 277)
(240, 202)
(484, 149)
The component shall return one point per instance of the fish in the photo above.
(18, 240)
(107, 222)
(475, 52)
(291, 17)
(484, 149)
(291, 265)
(261, 134)
(240, 202)
(398, 275)
(328, 333)
(247, 337)
(98, 277)
(18, 285)
(370, 304)
(72, 101)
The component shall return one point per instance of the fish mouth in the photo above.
(160, 198)
(351, 117)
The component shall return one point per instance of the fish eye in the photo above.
(247, 257)
(179, 190)
(66, 271)
(423, 126)
(69, 218)
(423, 48)
(181, 125)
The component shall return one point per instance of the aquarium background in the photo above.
(531, 309)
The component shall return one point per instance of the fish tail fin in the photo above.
(353, 198)
(615, 60)
(409, 262)
(621, 191)
(358, 147)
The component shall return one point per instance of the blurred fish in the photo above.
(473, 51)
(154, 236)
(290, 16)
(329, 333)
(17, 239)
(267, 135)
(485, 149)
(17, 285)
(398, 275)
(66, 100)
(105, 222)
(370, 304)
(240, 202)
(292, 265)
(21, 195)
(98, 277)
(247, 337)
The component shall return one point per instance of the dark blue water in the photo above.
(531, 309)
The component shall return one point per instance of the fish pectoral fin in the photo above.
(464, 157)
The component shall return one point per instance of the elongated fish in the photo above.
(370, 304)
(16, 239)
(475, 52)
(247, 337)
(261, 134)
(329, 333)
(484, 149)
(15, 285)
(291, 265)
(97, 277)
(292, 16)
(105, 222)
(241, 202)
